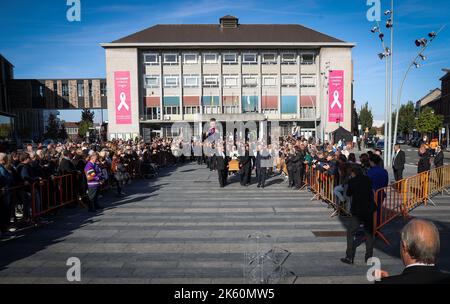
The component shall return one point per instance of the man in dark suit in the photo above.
(245, 163)
(424, 163)
(439, 158)
(66, 165)
(221, 161)
(362, 209)
(419, 250)
(399, 163)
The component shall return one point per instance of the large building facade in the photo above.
(229, 71)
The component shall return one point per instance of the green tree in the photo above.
(366, 117)
(429, 122)
(406, 119)
(83, 128)
(52, 127)
(87, 122)
(87, 115)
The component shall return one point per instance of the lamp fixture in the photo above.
(421, 42)
(389, 23)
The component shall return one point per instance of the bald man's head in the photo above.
(420, 242)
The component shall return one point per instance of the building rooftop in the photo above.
(6, 60)
(431, 96)
(228, 31)
(447, 73)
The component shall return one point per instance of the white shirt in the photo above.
(420, 264)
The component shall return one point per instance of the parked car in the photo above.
(380, 145)
(401, 140)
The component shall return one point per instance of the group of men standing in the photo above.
(261, 162)
(423, 165)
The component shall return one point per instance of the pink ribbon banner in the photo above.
(123, 97)
(336, 97)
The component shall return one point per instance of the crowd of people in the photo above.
(96, 168)
(37, 177)
(356, 181)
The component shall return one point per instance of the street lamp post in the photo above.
(390, 24)
(424, 44)
(385, 55)
(325, 104)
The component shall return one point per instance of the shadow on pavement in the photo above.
(30, 241)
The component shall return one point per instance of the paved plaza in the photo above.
(182, 228)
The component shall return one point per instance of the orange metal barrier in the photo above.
(438, 181)
(400, 198)
(49, 195)
(322, 185)
(389, 205)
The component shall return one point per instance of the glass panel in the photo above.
(190, 58)
(230, 81)
(308, 58)
(269, 58)
(229, 58)
(270, 81)
(170, 58)
(210, 58)
(171, 81)
(191, 81)
(151, 58)
(250, 58)
(288, 58)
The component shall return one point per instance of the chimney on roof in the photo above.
(229, 22)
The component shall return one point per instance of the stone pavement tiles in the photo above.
(183, 228)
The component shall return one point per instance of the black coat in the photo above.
(439, 160)
(360, 189)
(221, 162)
(246, 161)
(399, 161)
(418, 275)
(292, 162)
(66, 167)
(424, 163)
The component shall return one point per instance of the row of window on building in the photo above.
(231, 81)
(65, 89)
(154, 113)
(229, 58)
(284, 127)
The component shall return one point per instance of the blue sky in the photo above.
(37, 38)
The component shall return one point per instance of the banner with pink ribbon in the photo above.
(336, 97)
(123, 97)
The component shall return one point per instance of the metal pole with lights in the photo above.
(385, 55)
(390, 25)
(423, 43)
(325, 75)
